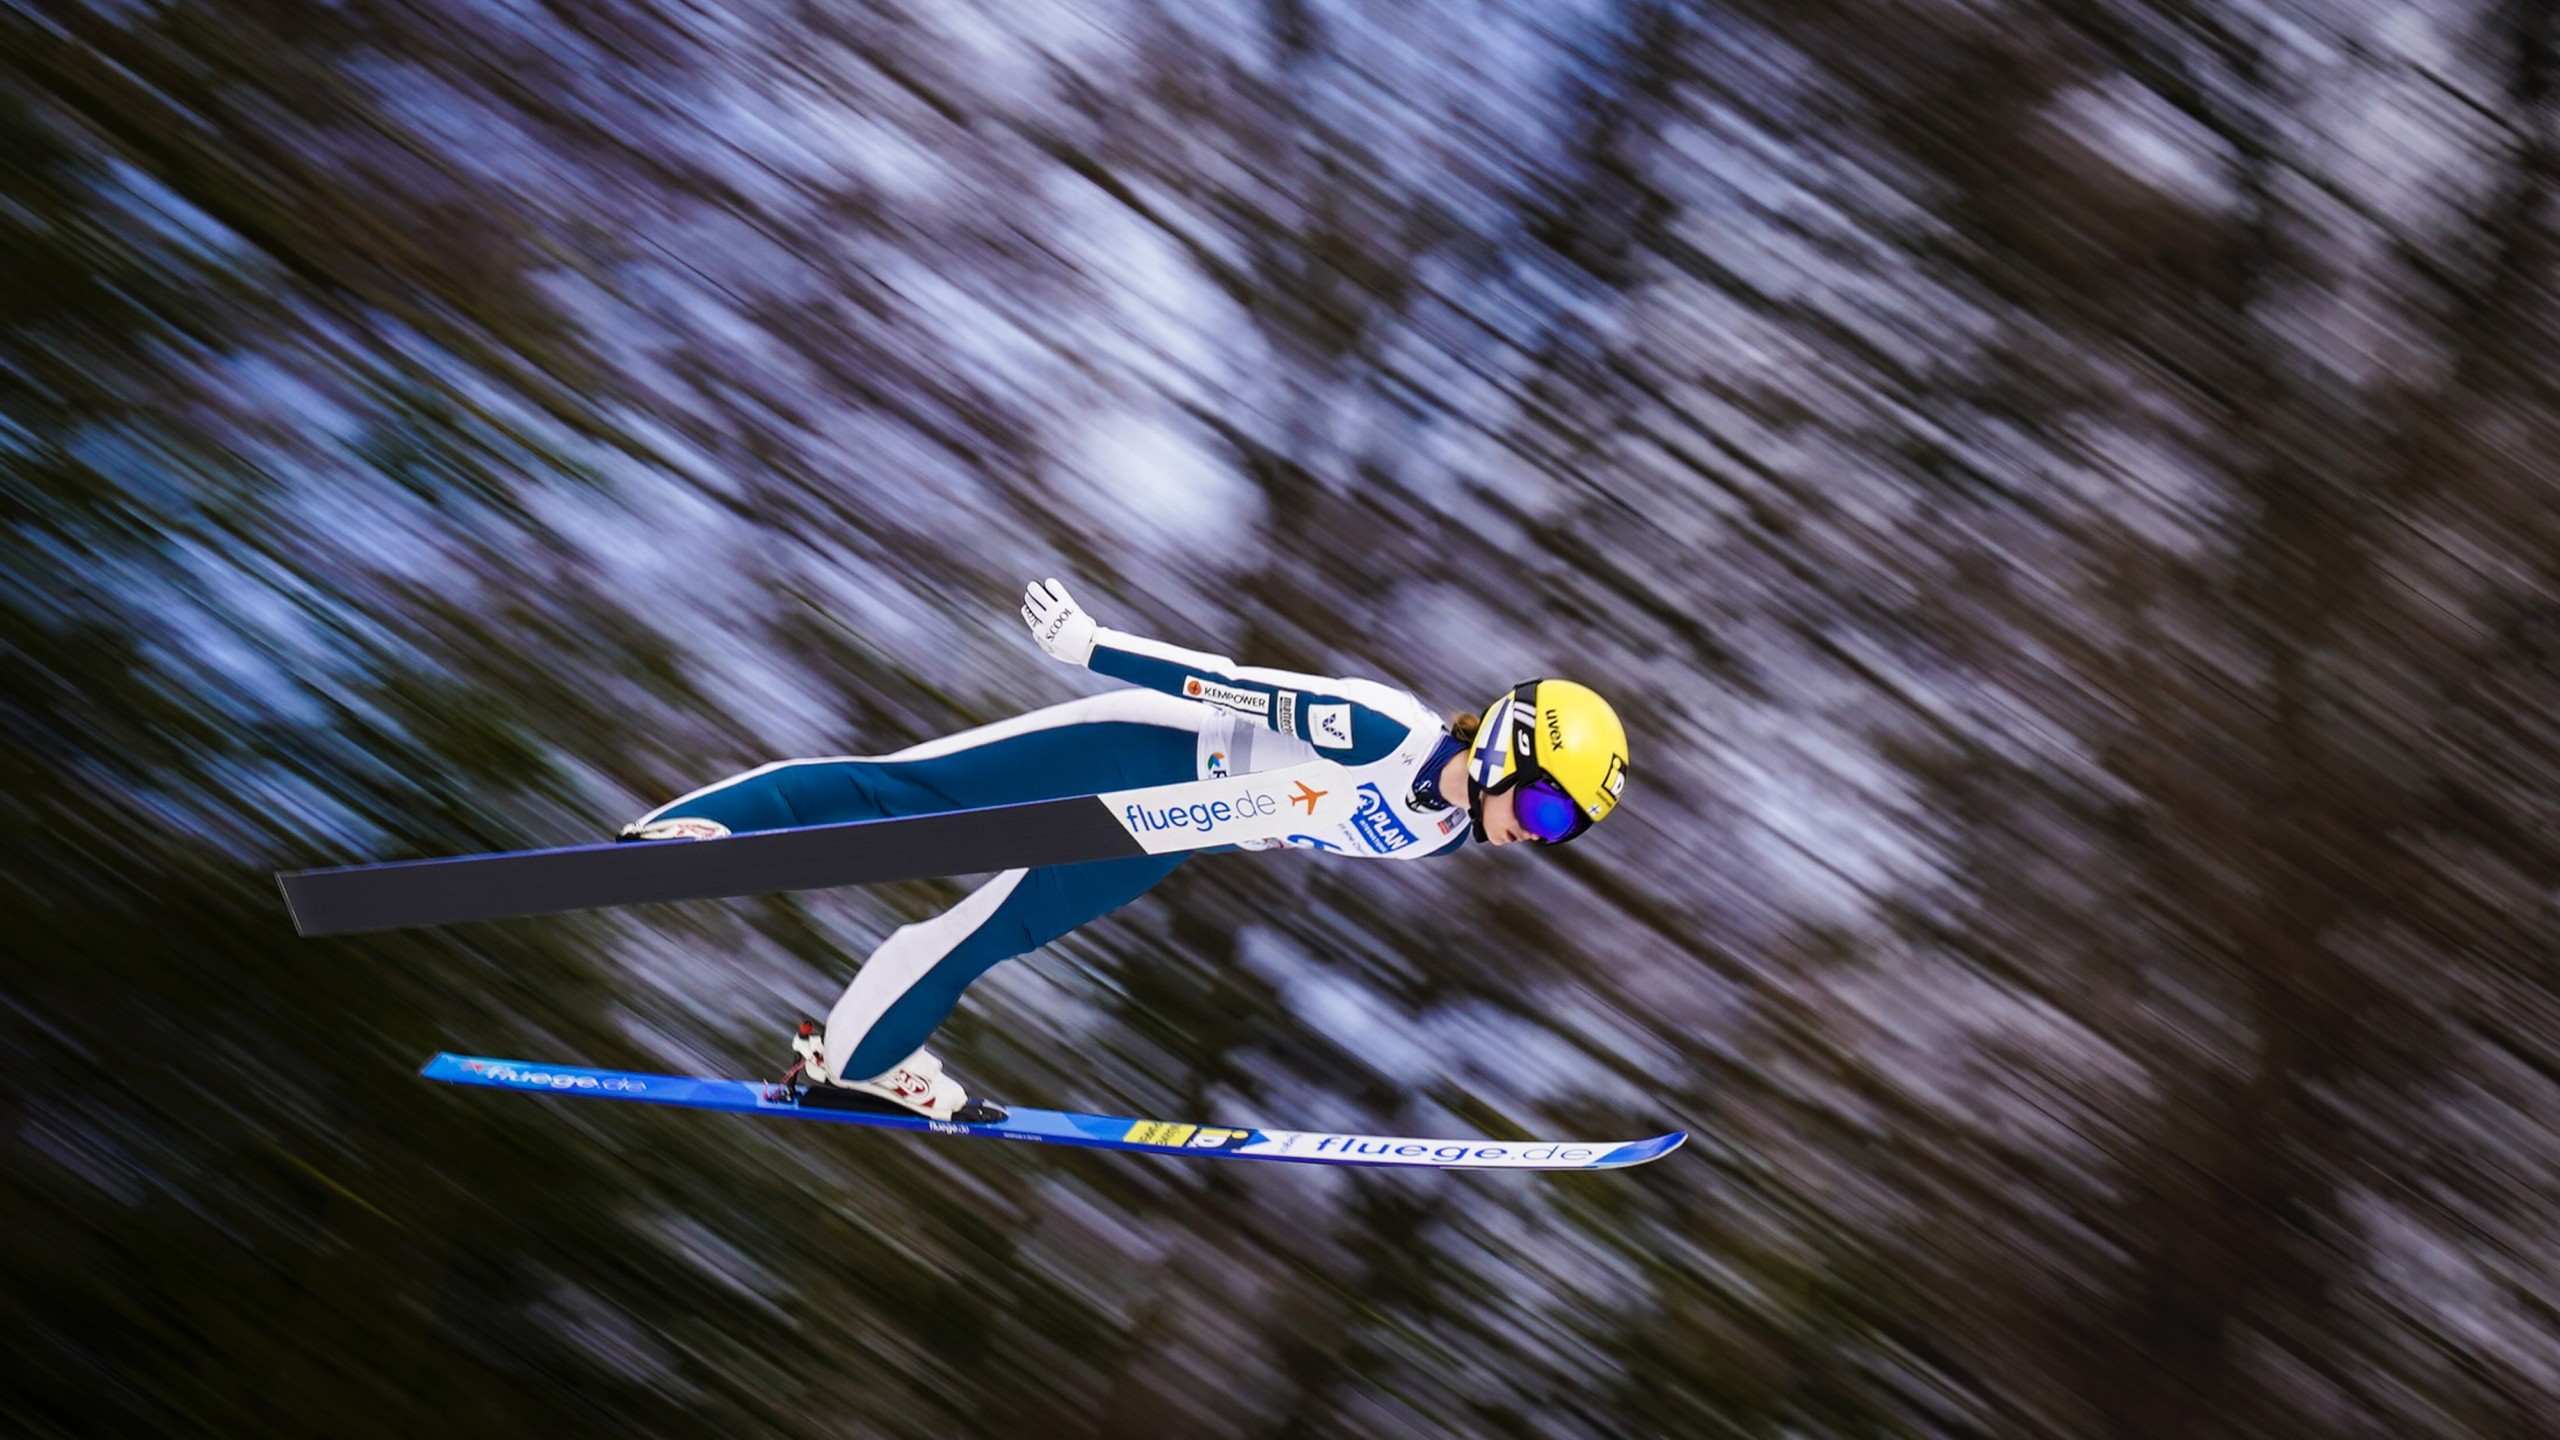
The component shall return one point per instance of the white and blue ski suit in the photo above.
(1198, 716)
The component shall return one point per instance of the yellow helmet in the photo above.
(1560, 747)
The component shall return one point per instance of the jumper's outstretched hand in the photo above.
(1058, 622)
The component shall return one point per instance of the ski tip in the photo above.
(284, 885)
(1639, 1152)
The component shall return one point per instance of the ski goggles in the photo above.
(1549, 815)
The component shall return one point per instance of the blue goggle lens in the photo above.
(1546, 812)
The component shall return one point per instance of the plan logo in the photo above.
(1329, 726)
(1227, 697)
(1377, 823)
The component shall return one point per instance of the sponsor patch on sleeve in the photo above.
(1284, 712)
(1227, 697)
(1329, 726)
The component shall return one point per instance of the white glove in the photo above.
(1058, 622)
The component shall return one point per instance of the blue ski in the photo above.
(1114, 825)
(1060, 1127)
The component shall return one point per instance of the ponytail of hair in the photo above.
(1463, 725)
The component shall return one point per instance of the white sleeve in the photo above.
(1354, 721)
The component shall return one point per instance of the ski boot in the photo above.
(916, 1087)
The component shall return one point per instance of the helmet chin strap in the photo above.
(1476, 796)
(1492, 748)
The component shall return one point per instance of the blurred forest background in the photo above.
(2062, 490)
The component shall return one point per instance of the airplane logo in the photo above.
(1308, 797)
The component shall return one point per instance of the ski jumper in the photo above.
(1197, 717)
